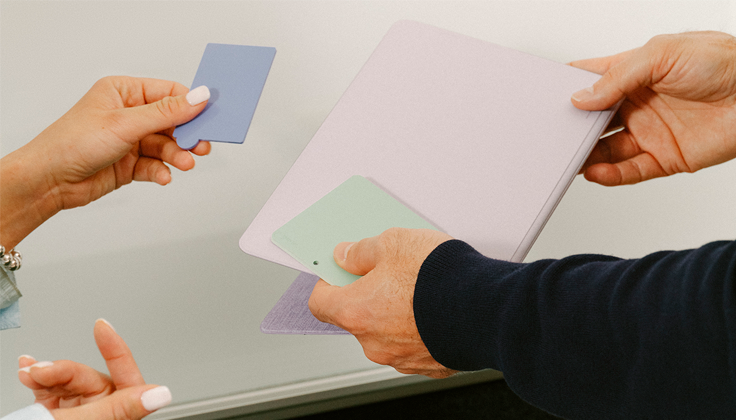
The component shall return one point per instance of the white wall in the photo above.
(53, 52)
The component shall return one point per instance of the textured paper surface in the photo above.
(291, 314)
(480, 140)
(235, 76)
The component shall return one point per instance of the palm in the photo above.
(664, 136)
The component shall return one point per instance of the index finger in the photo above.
(118, 357)
(324, 302)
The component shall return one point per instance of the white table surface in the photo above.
(162, 264)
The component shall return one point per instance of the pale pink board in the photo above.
(480, 140)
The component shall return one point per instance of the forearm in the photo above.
(26, 197)
(590, 336)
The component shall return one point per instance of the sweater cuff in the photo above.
(449, 306)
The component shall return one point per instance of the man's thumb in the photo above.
(620, 80)
(167, 112)
(132, 403)
(358, 257)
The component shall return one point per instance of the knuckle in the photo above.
(394, 234)
(407, 247)
(120, 412)
(393, 240)
(152, 172)
(178, 87)
(660, 39)
(101, 82)
(167, 106)
(119, 83)
(317, 311)
(313, 305)
(663, 42)
(106, 80)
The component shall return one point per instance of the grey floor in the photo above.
(488, 400)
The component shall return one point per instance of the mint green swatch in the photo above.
(354, 210)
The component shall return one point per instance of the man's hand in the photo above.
(378, 308)
(679, 109)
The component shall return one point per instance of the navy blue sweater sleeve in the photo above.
(590, 336)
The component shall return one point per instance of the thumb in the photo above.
(327, 302)
(128, 404)
(358, 257)
(165, 113)
(623, 78)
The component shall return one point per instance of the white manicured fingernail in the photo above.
(108, 324)
(25, 356)
(198, 95)
(42, 364)
(347, 248)
(155, 398)
(27, 369)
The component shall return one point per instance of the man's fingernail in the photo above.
(108, 324)
(198, 95)
(583, 95)
(155, 398)
(347, 248)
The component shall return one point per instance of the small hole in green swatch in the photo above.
(316, 263)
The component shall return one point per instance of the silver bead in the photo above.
(12, 259)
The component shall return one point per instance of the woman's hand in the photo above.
(120, 131)
(72, 390)
(679, 107)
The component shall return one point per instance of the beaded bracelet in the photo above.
(11, 261)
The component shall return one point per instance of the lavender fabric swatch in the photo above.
(291, 313)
